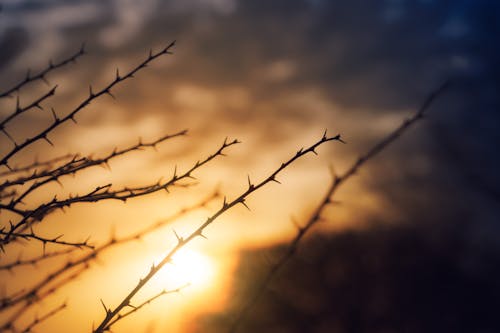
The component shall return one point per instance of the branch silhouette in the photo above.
(43, 135)
(42, 75)
(337, 181)
(111, 314)
(44, 288)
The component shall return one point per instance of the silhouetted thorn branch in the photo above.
(19, 262)
(71, 115)
(36, 165)
(138, 307)
(21, 109)
(42, 74)
(196, 233)
(316, 215)
(85, 259)
(44, 240)
(78, 164)
(39, 320)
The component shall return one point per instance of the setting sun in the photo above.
(188, 267)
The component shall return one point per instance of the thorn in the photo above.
(118, 78)
(104, 306)
(242, 201)
(275, 180)
(11, 139)
(295, 223)
(338, 138)
(18, 107)
(47, 139)
(333, 173)
(91, 94)
(54, 114)
(250, 185)
(179, 239)
(44, 79)
(38, 106)
(59, 182)
(82, 49)
(108, 91)
(324, 135)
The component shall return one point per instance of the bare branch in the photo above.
(335, 184)
(181, 242)
(39, 320)
(42, 74)
(77, 164)
(149, 300)
(36, 165)
(44, 240)
(35, 260)
(36, 293)
(35, 104)
(42, 135)
(101, 193)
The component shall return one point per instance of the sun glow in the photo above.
(189, 267)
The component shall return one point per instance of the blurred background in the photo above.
(412, 245)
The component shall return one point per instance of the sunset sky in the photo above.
(274, 75)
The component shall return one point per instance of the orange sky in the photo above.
(273, 77)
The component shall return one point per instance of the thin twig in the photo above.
(148, 301)
(42, 74)
(36, 165)
(35, 260)
(39, 320)
(21, 109)
(55, 240)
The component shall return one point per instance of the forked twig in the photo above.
(148, 301)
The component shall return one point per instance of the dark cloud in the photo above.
(384, 279)
(13, 42)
